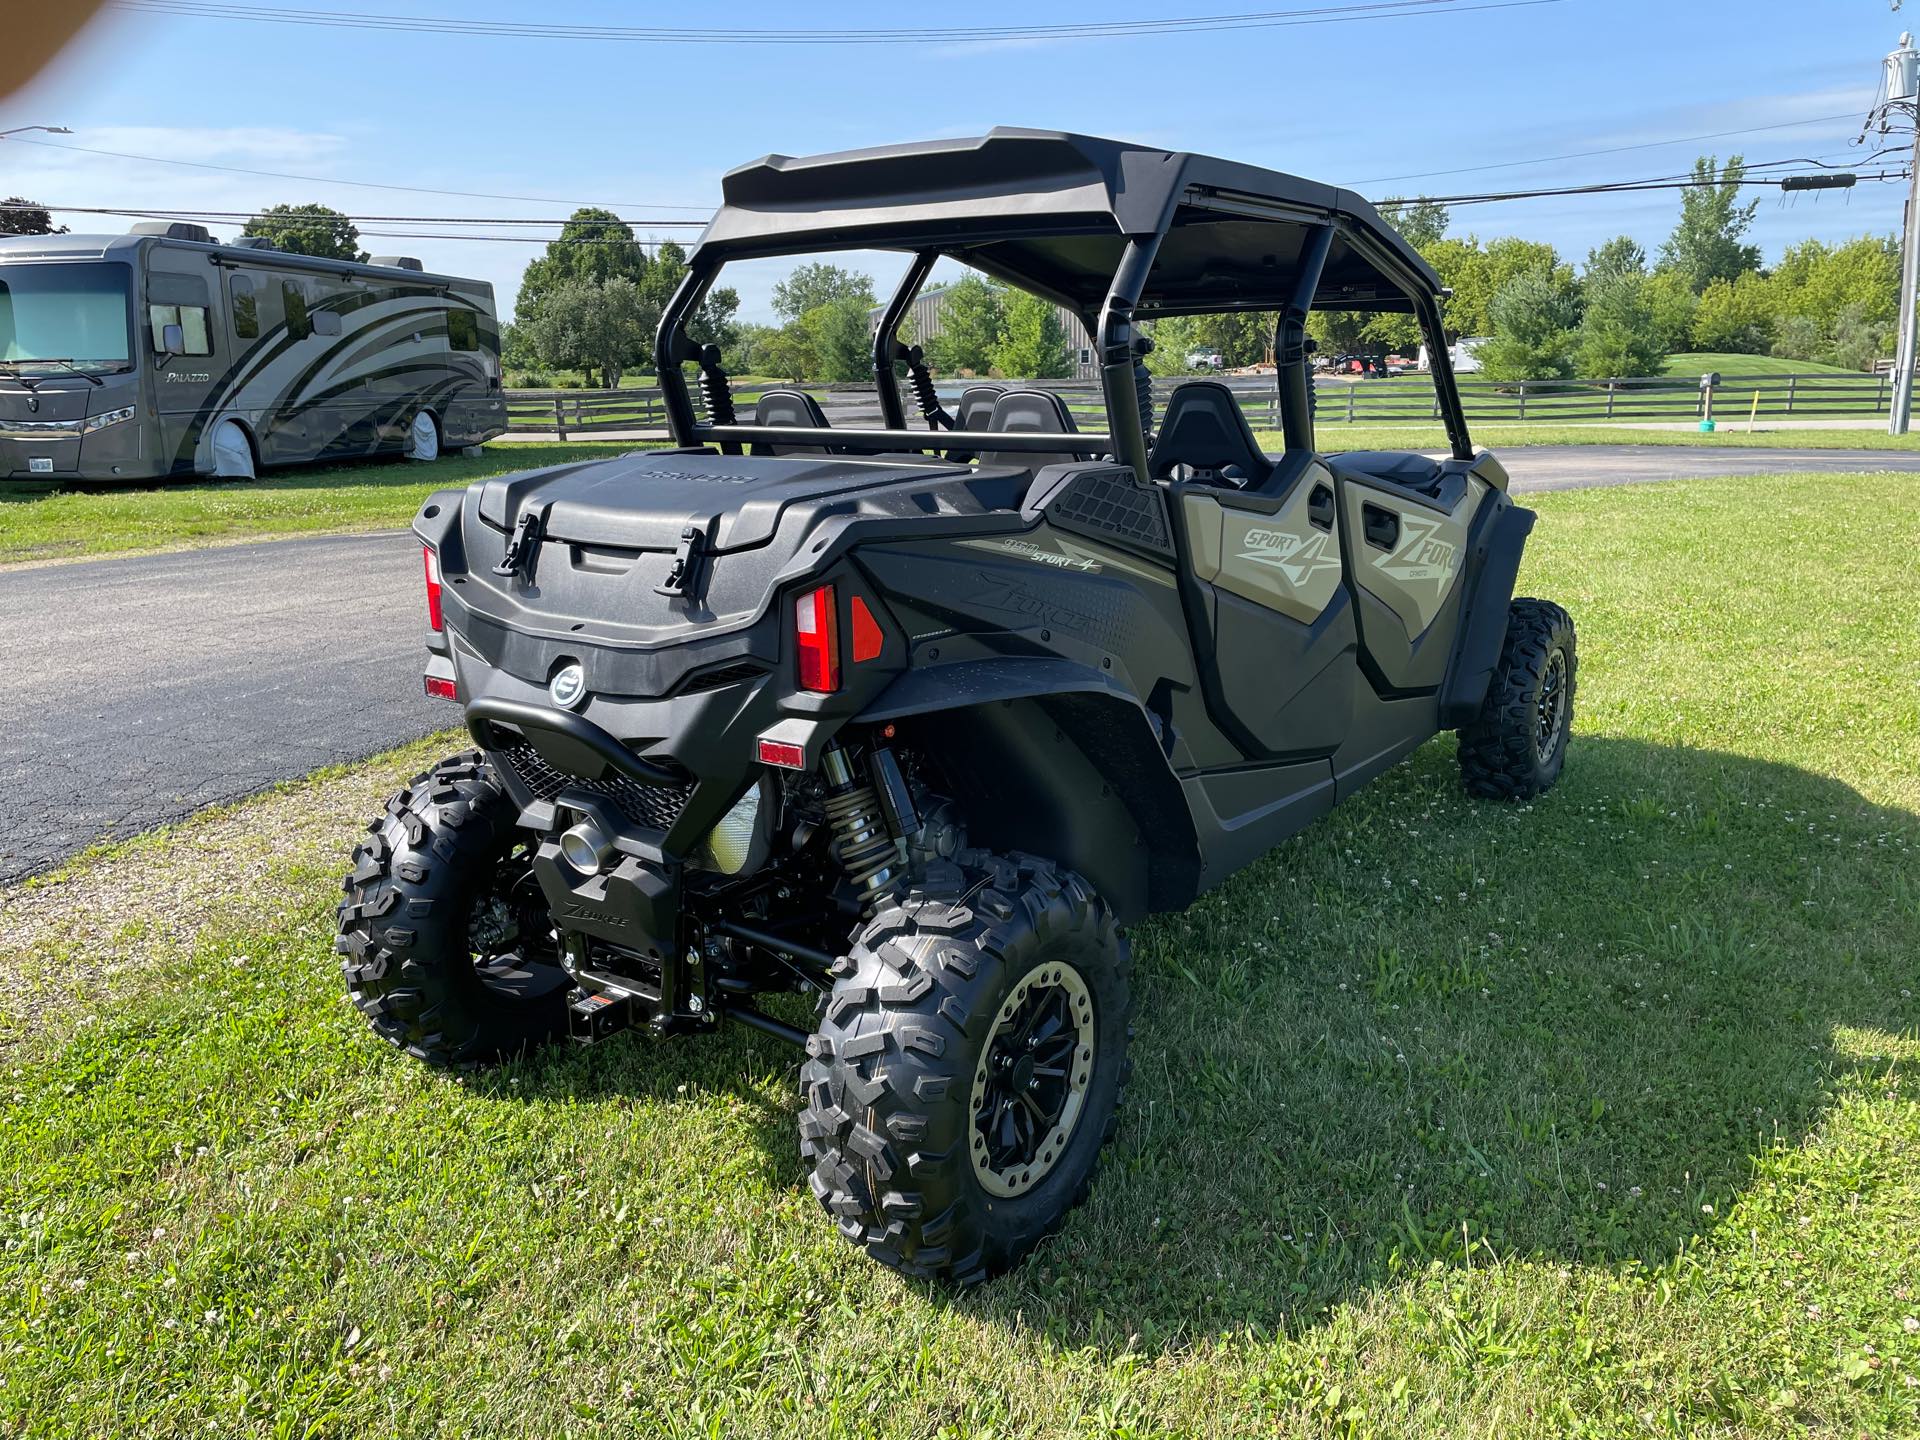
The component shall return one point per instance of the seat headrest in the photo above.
(1203, 427)
(975, 410)
(789, 407)
(1034, 412)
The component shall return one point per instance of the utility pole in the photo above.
(1902, 87)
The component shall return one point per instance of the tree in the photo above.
(840, 337)
(1420, 222)
(307, 230)
(971, 312)
(23, 217)
(1617, 336)
(1476, 274)
(1671, 304)
(1622, 255)
(1735, 315)
(594, 246)
(812, 285)
(587, 326)
(1033, 343)
(1706, 245)
(1859, 339)
(1533, 318)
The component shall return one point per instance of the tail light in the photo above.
(817, 642)
(433, 586)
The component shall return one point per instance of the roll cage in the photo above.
(1117, 233)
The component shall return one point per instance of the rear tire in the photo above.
(922, 1039)
(444, 932)
(1517, 745)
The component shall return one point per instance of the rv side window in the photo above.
(192, 320)
(463, 331)
(246, 308)
(299, 322)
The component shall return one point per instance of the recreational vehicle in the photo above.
(162, 353)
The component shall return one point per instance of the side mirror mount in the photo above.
(172, 340)
(326, 322)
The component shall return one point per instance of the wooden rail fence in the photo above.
(1392, 400)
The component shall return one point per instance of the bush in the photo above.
(526, 380)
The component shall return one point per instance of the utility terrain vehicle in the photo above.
(916, 718)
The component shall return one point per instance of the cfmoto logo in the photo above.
(568, 686)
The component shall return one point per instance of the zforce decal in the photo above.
(1421, 555)
(1298, 557)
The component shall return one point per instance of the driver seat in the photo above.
(1205, 437)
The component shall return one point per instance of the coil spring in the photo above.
(861, 843)
(924, 396)
(715, 392)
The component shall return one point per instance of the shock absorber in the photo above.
(924, 395)
(715, 392)
(861, 842)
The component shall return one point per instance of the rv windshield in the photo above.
(64, 314)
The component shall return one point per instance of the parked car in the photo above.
(1206, 360)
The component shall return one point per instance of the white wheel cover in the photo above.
(232, 456)
(423, 439)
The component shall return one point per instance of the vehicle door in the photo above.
(1267, 564)
(189, 352)
(1404, 524)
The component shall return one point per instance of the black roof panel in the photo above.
(1052, 211)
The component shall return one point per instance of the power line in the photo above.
(359, 184)
(1609, 150)
(1617, 187)
(1343, 13)
(224, 216)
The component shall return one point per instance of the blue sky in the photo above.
(1383, 105)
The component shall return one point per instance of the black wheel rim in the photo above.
(509, 933)
(1550, 713)
(1031, 1081)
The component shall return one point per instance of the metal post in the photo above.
(560, 417)
(1900, 67)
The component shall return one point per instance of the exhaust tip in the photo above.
(585, 847)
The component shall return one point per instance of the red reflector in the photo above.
(779, 752)
(815, 629)
(433, 589)
(867, 638)
(441, 689)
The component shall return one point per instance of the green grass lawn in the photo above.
(375, 495)
(1596, 1116)
(1695, 363)
(384, 496)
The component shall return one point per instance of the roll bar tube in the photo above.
(672, 348)
(1115, 339)
(1292, 376)
(893, 414)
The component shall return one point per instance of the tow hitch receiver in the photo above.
(592, 1015)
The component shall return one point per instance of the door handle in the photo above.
(1320, 508)
(1382, 527)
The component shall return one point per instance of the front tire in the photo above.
(232, 452)
(1517, 745)
(445, 935)
(423, 437)
(967, 1070)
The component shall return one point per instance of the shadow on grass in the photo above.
(1435, 1029)
(1432, 1029)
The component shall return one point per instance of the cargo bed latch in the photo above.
(686, 560)
(522, 548)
